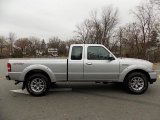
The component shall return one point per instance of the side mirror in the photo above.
(111, 57)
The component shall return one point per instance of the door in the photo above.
(75, 64)
(98, 66)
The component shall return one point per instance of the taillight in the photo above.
(9, 67)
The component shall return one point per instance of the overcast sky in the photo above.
(46, 18)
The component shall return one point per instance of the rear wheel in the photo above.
(37, 85)
(136, 83)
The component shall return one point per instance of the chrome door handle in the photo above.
(89, 63)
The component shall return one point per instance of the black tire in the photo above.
(136, 83)
(37, 85)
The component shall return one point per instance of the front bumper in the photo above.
(153, 77)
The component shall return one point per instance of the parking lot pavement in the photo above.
(85, 101)
(3, 68)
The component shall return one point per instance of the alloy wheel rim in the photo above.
(37, 85)
(137, 83)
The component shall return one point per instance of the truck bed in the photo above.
(57, 66)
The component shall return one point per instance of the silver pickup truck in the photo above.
(86, 63)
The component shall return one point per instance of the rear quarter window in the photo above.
(76, 53)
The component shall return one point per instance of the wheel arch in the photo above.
(137, 70)
(36, 71)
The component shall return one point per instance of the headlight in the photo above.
(154, 66)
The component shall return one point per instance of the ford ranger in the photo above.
(86, 63)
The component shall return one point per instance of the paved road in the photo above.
(85, 102)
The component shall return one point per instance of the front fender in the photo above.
(131, 68)
(38, 67)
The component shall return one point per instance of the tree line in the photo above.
(28, 47)
(138, 38)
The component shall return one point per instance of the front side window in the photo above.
(97, 53)
(76, 53)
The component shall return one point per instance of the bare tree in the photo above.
(2, 40)
(145, 20)
(120, 38)
(156, 2)
(98, 30)
(130, 40)
(23, 44)
(11, 38)
(83, 31)
(54, 42)
(35, 45)
(109, 21)
(73, 41)
(62, 50)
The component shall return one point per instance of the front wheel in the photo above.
(136, 83)
(37, 85)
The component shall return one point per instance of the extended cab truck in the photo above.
(86, 63)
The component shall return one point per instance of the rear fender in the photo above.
(38, 67)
